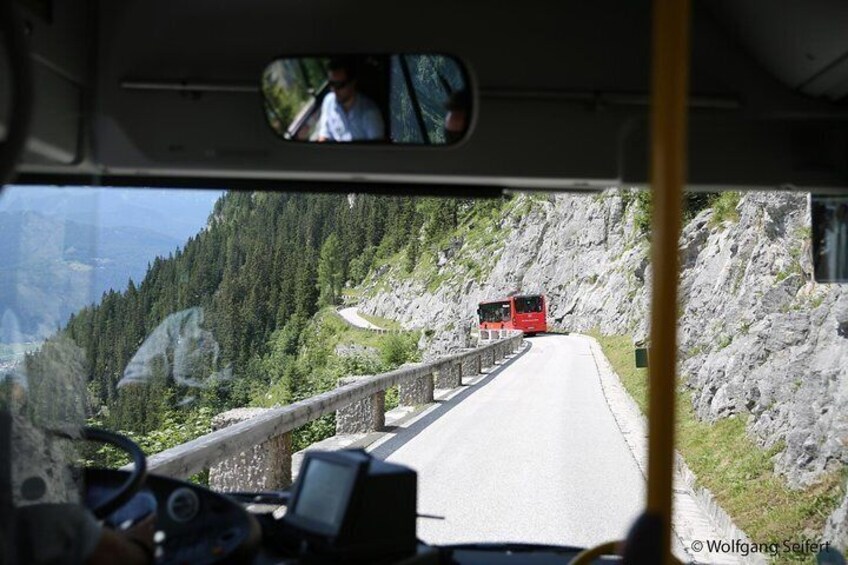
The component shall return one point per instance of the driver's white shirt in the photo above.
(362, 122)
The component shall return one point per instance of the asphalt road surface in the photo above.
(530, 454)
(351, 314)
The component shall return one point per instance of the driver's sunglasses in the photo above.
(338, 84)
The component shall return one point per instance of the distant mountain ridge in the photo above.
(63, 247)
(50, 268)
(175, 213)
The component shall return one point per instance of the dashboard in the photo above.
(193, 524)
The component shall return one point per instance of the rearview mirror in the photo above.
(830, 238)
(390, 99)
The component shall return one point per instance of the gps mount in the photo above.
(348, 507)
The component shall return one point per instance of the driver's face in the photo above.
(341, 84)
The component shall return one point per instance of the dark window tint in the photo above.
(527, 304)
(494, 312)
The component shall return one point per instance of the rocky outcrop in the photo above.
(758, 339)
(584, 252)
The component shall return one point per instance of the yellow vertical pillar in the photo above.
(669, 86)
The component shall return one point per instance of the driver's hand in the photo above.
(133, 546)
(142, 533)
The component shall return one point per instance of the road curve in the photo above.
(530, 454)
(351, 314)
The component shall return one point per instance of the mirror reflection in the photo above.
(397, 99)
(830, 238)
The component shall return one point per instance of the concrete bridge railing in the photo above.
(253, 448)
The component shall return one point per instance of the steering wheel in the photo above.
(134, 481)
(608, 548)
(590, 554)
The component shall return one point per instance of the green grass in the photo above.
(353, 293)
(392, 398)
(724, 209)
(320, 367)
(384, 323)
(521, 205)
(644, 210)
(317, 368)
(793, 268)
(480, 235)
(738, 472)
(337, 331)
(724, 341)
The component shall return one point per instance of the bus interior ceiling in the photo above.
(159, 92)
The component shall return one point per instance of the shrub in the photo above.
(644, 210)
(724, 208)
(398, 349)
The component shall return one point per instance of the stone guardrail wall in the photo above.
(252, 449)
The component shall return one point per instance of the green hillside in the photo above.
(257, 276)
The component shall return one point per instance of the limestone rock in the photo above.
(758, 339)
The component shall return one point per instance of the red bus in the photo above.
(520, 312)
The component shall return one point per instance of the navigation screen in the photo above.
(325, 492)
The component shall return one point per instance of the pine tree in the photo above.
(260, 270)
(330, 272)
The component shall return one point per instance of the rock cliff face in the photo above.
(761, 340)
(758, 338)
(584, 252)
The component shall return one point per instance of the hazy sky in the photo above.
(178, 213)
(61, 248)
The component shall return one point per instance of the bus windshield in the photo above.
(528, 304)
(165, 315)
(494, 312)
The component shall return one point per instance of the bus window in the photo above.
(495, 312)
(527, 304)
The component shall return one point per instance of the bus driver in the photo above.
(347, 114)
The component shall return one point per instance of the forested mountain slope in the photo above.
(238, 294)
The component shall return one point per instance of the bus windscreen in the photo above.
(528, 304)
(495, 312)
